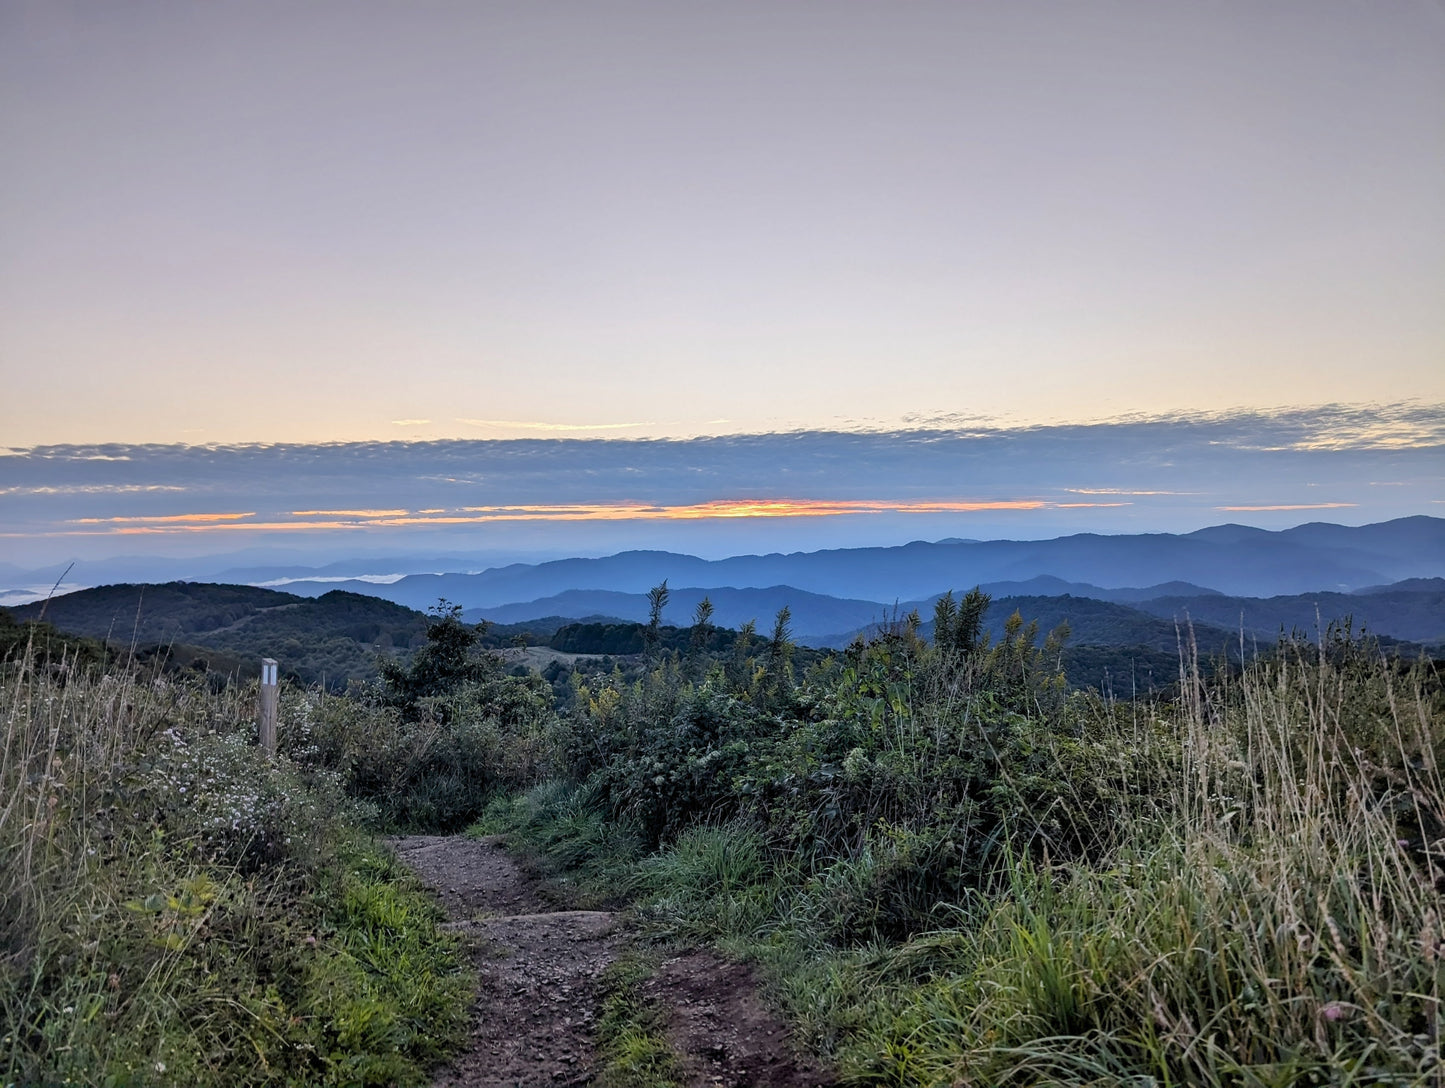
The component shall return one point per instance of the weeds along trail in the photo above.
(955, 872)
(947, 867)
(176, 909)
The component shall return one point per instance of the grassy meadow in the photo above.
(950, 868)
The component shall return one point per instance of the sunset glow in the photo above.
(165, 518)
(318, 520)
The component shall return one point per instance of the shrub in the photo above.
(665, 773)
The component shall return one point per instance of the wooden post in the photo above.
(270, 692)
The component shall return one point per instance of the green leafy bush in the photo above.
(664, 774)
(427, 746)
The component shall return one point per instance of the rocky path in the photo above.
(540, 985)
(539, 968)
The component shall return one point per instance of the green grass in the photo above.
(950, 870)
(175, 909)
(1276, 923)
(588, 861)
(631, 1043)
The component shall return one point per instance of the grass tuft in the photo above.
(631, 1042)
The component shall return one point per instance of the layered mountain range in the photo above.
(1223, 588)
(1233, 576)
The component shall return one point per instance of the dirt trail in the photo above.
(539, 968)
(540, 985)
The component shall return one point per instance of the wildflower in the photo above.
(1333, 1011)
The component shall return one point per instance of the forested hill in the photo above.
(1414, 615)
(813, 613)
(337, 636)
(1412, 611)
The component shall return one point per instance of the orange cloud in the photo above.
(314, 520)
(742, 508)
(243, 526)
(166, 518)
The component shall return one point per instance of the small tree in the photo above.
(446, 661)
(656, 602)
(740, 669)
(958, 629)
(780, 655)
(701, 628)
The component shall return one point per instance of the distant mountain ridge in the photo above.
(339, 635)
(815, 616)
(1231, 559)
(812, 612)
(1413, 615)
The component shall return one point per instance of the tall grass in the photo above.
(175, 908)
(592, 860)
(1275, 920)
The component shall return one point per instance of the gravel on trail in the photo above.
(539, 969)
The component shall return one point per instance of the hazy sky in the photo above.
(304, 222)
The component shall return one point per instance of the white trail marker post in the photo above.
(270, 696)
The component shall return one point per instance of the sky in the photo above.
(354, 228)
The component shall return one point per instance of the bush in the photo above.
(427, 761)
(665, 773)
(431, 742)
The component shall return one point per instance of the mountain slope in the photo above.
(1410, 614)
(337, 636)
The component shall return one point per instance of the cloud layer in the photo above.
(1156, 473)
